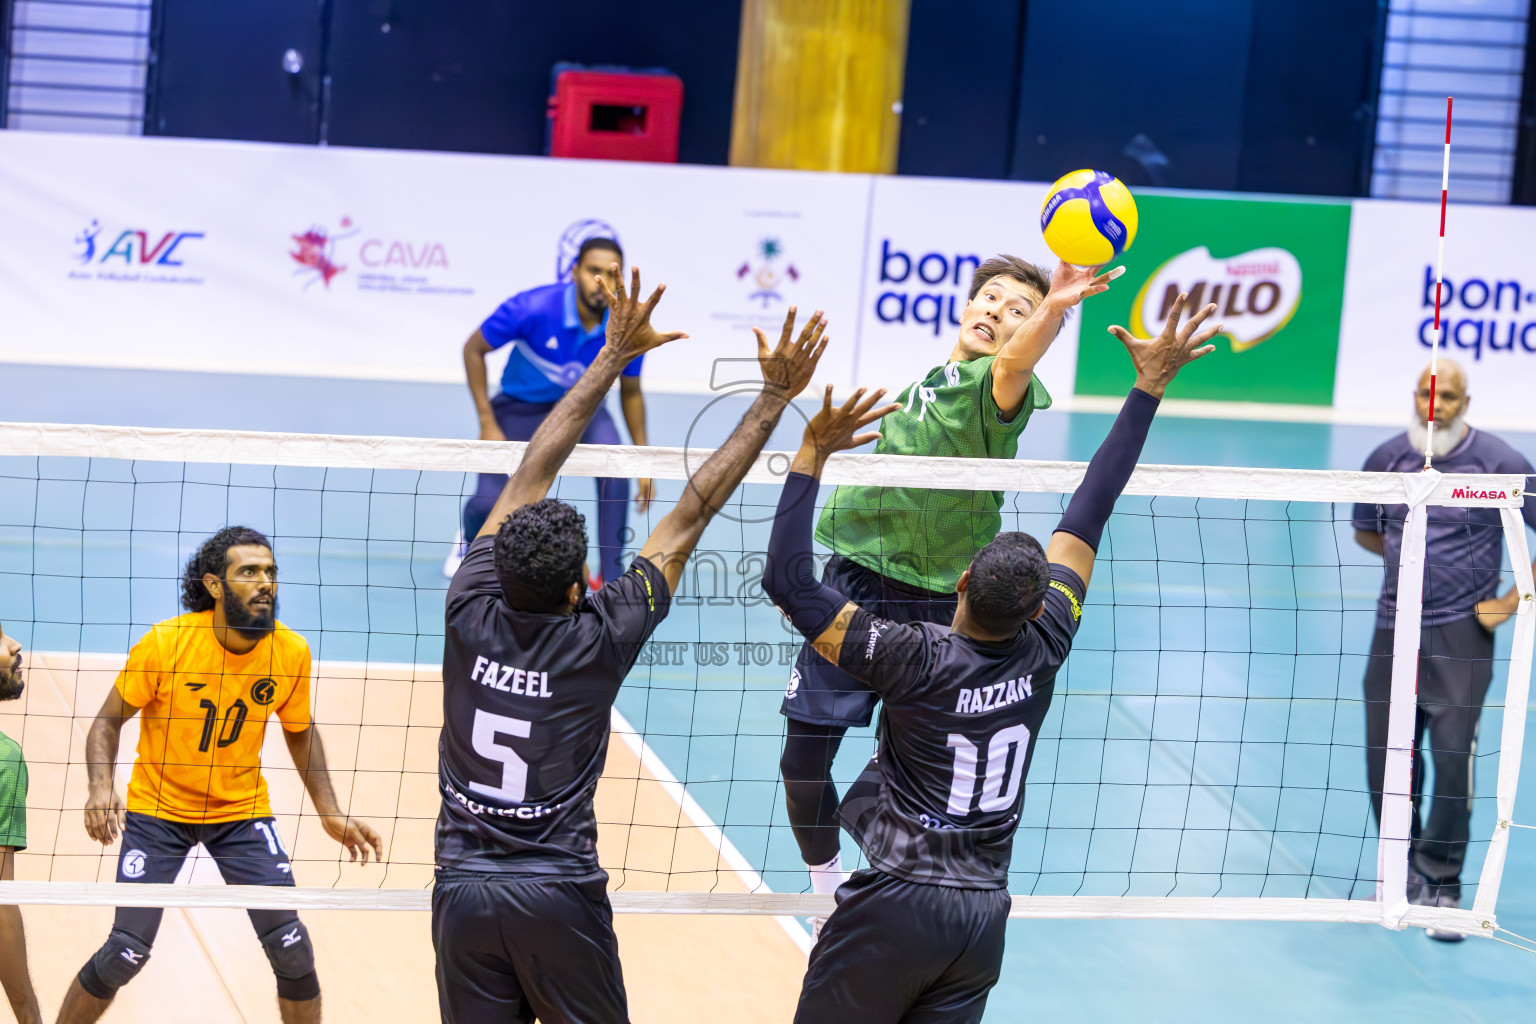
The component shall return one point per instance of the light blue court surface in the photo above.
(1205, 737)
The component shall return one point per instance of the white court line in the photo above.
(644, 753)
(716, 837)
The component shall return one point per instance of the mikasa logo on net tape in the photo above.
(1256, 292)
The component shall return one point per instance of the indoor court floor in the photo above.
(1152, 777)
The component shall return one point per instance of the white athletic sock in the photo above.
(825, 878)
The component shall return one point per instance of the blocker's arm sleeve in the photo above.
(1109, 470)
(789, 578)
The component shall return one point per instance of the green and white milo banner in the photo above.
(1274, 269)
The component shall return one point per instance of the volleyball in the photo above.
(1088, 218)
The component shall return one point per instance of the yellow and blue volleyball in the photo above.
(1088, 218)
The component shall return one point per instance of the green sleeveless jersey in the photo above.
(919, 537)
(13, 794)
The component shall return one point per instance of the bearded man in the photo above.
(1464, 551)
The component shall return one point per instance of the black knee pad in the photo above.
(115, 964)
(292, 957)
(809, 751)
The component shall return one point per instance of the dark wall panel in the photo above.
(1309, 104)
(1151, 92)
(217, 70)
(473, 76)
(962, 77)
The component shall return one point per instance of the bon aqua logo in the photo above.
(929, 289)
(1479, 316)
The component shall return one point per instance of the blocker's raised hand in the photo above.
(629, 331)
(1158, 360)
(836, 429)
(789, 365)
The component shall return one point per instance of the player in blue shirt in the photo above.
(555, 332)
(1463, 552)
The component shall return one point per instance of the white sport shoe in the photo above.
(455, 554)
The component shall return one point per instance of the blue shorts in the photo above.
(247, 852)
(820, 693)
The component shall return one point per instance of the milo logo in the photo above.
(1256, 293)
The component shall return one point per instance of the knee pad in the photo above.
(115, 964)
(292, 957)
(808, 758)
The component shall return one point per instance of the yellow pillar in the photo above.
(818, 84)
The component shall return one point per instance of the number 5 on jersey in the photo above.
(514, 770)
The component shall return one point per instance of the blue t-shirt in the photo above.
(550, 348)
(1463, 548)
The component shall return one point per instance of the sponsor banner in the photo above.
(1488, 307)
(1274, 269)
(926, 237)
(196, 255)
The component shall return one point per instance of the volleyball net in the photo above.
(1204, 756)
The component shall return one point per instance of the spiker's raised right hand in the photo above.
(629, 331)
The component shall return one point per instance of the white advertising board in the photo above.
(196, 255)
(926, 236)
(1488, 309)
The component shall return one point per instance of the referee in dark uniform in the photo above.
(918, 936)
(521, 922)
(1464, 549)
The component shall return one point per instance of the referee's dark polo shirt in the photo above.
(1464, 547)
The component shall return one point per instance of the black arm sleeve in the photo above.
(789, 578)
(1109, 470)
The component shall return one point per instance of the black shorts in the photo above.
(247, 852)
(903, 951)
(819, 692)
(515, 950)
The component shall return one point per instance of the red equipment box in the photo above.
(609, 115)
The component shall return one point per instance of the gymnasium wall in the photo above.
(376, 264)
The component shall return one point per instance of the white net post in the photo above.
(1516, 697)
(1396, 792)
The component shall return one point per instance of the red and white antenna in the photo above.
(1434, 353)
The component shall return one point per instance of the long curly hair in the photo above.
(213, 557)
(541, 549)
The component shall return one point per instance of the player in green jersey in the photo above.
(13, 837)
(901, 550)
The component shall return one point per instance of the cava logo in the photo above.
(1256, 293)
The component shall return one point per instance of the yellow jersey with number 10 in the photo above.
(203, 715)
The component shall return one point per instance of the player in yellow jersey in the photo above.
(205, 683)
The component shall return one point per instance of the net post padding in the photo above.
(1392, 849)
(1516, 696)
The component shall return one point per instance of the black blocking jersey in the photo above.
(526, 705)
(940, 802)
